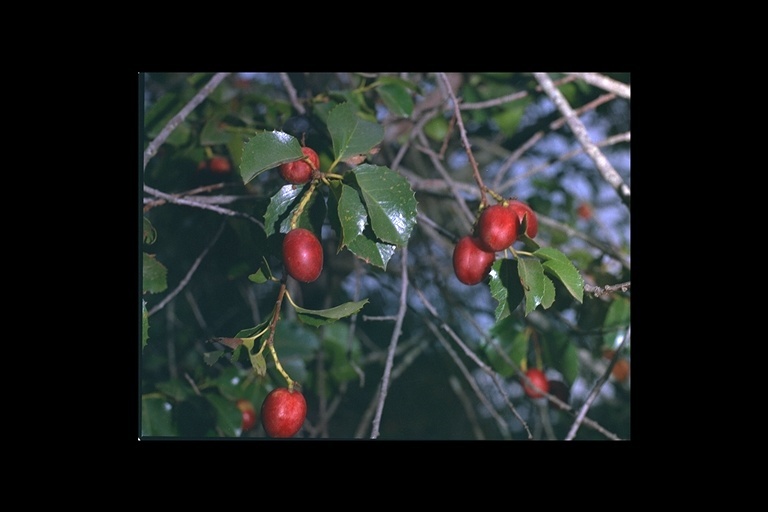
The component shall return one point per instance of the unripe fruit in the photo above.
(249, 414)
(302, 255)
(219, 164)
(537, 377)
(283, 412)
(471, 263)
(497, 227)
(523, 210)
(299, 172)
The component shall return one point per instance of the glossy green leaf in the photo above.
(153, 275)
(513, 341)
(389, 201)
(268, 150)
(371, 251)
(281, 204)
(156, 419)
(263, 275)
(350, 134)
(505, 287)
(252, 331)
(346, 213)
(316, 317)
(558, 265)
(538, 288)
(144, 324)
(397, 99)
(150, 234)
(559, 352)
(616, 321)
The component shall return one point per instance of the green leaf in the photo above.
(268, 150)
(509, 118)
(513, 341)
(350, 134)
(252, 331)
(144, 324)
(559, 352)
(390, 202)
(210, 358)
(347, 213)
(342, 352)
(436, 128)
(505, 287)
(213, 134)
(277, 218)
(616, 321)
(263, 275)
(153, 275)
(295, 344)
(150, 234)
(558, 265)
(156, 417)
(228, 416)
(316, 317)
(397, 99)
(539, 289)
(259, 363)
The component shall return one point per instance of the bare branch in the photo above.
(604, 82)
(292, 93)
(160, 305)
(176, 120)
(200, 204)
(580, 131)
(597, 291)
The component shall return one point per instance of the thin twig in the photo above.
(176, 120)
(509, 98)
(604, 82)
(393, 341)
(292, 93)
(464, 140)
(596, 390)
(202, 205)
(597, 291)
(580, 131)
(160, 305)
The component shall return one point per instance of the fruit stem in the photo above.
(304, 200)
(271, 339)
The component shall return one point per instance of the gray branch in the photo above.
(605, 83)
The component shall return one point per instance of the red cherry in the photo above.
(302, 255)
(249, 414)
(537, 377)
(299, 172)
(524, 211)
(584, 210)
(283, 412)
(471, 263)
(219, 164)
(497, 227)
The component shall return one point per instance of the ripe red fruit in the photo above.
(537, 377)
(219, 164)
(283, 412)
(249, 414)
(302, 255)
(299, 172)
(497, 227)
(471, 263)
(584, 210)
(523, 210)
(620, 370)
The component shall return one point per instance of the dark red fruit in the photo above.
(497, 227)
(300, 171)
(219, 164)
(471, 262)
(524, 211)
(249, 414)
(584, 210)
(537, 377)
(302, 255)
(283, 412)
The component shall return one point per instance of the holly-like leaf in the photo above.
(268, 150)
(397, 99)
(144, 324)
(506, 287)
(371, 251)
(347, 213)
(539, 289)
(512, 340)
(390, 202)
(317, 317)
(153, 275)
(350, 134)
(150, 234)
(558, 265)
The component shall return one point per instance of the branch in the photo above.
(200, 204)
(292, 93)
(597, 291)
(393, 341)
(179, 118)
(509, 98)
(604, 82)
(580, 131)
(187, 277)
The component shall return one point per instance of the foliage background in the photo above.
(208, 239)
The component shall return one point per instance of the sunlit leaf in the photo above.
(538, 288)
(558, 265)
(316, 317)
(505, 287)
(268, 150)
(616, 320)
(350, 134)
